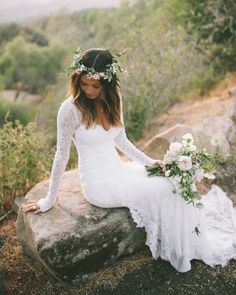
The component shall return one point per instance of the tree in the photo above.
(29, 65)
(214, 22)
(10, 31)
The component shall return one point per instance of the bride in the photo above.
(92, 117)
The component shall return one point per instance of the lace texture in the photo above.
(129, 149)
(216, 244)
(67, 122)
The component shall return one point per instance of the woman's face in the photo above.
(91, 87)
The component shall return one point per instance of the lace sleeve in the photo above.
(129, 149)
(67, 120)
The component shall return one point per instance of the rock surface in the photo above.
(2, 278)
(75, 239)
(158, 145)
(226, 179)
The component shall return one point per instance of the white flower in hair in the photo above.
(96, 76)
(108, 74)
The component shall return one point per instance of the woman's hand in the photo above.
(161, 164)
(31, 206)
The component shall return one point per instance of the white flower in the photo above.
(215, 141)
(114, 67)
(167, 173)
(96, 76)
(199, 174)
(209, 175)
(185, 163)
(169, 158)
(191, 147)
(83, 68)
(175, 147)
(188, 137)
(78, 71)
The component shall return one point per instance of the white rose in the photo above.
(96, 76)
(188, 137)
(169, 158)
(175, 147)
(191, 147)
(199, 174)
(167, 173)
(209, 176)
(185, 163)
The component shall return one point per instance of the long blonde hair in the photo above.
(111, 98)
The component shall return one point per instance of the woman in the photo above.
(92, 118)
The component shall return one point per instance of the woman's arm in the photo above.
(67, 121)
(129, 149)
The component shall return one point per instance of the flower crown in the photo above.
(108, 74)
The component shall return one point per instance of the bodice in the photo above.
(96, 147)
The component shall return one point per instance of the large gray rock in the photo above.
(226, 178)
(2, 282)
(232, 91)
(220, 128)
(75, 239)
(159, 144)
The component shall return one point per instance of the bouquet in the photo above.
(186, 163)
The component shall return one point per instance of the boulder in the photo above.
(219, 128)
(226, 179)
(158, 145)
(234, 111)
(75, 239)
(232, 91)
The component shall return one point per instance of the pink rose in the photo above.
(78, 71)
(185, 163)
(96, 76)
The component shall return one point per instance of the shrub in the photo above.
(29, 65)
(16, 111)
(24, 160)
(214, 24)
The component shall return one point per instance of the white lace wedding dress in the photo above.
(107, 181)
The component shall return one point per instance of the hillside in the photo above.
(216, 102)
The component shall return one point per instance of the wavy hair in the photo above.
(111, 98)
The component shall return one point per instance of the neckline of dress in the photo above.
(103, 127)
(71, 100)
